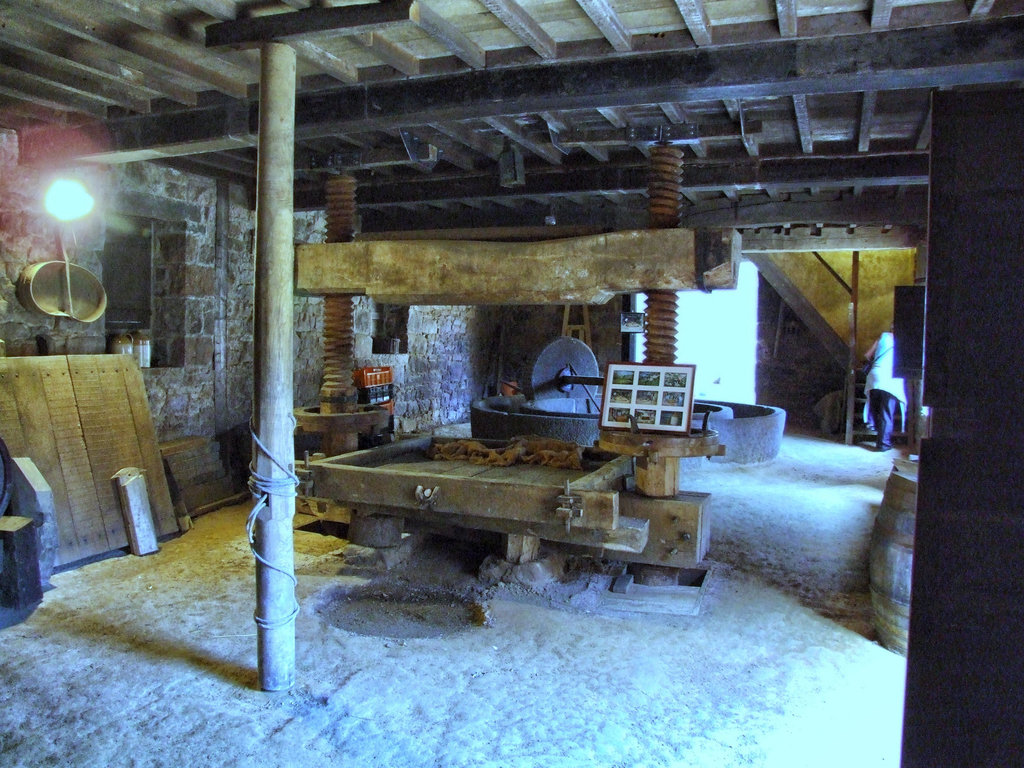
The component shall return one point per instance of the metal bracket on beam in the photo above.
(334, 161)
(422, 154)
(556, 141)
(680, 133)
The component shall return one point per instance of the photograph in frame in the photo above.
(631, 322)
(647, 397)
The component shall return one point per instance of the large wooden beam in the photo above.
(347, 20)
(582, 270)
(834, 239)
(986, 51)
(782, 174)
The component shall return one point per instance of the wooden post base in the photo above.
(521, 548)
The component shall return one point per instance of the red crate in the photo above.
(372, 375)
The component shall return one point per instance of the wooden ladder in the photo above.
(580, 330)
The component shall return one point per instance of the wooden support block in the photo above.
(130, 489)
(680, 528)
(20, 585)
(33, 497)
(521, 549)
(657, 476)
(681, 598)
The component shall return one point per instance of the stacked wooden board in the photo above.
(197, 468)
(81, 419)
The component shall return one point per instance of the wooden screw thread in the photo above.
(665, 187)
(337, 394)
(665, 192)
(339, 357)
(660, 333)
(341, 209)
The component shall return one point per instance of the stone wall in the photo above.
(203, 278)
(194, 354)
(28, 235)
(202, 354)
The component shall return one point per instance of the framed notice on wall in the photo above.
(657, 398)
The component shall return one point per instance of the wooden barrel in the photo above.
(892, 557)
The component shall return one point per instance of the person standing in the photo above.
(884, 390)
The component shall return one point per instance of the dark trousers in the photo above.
(882, 407)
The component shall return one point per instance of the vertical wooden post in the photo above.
(851, 367)
(273, 395)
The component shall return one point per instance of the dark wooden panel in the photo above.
(908, 330)
(965, 673)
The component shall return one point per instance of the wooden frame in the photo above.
(659, 398)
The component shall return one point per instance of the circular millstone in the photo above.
(563, 353)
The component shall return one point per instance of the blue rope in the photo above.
(262, 488)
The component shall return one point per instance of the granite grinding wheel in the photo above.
(565, 352)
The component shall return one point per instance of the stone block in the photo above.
(20, 585)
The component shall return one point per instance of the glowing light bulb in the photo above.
(67, 200)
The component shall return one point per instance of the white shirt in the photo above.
(880, 376)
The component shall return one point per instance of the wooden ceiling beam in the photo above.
(696, 18)
(336, 66)
(321, 21)
(867, 117)
(871, 238)
(139, 47)
(448, 34)
(488, 146)
(881, 13)
(786, 11)
(803, 123)
(607, 20)
(91, 60)
(508, 128)
(13, 86)
(523, 25)
(452, 151)
(782, 174)
(911, 210)
(71, 81)
(876, 211)
(969, 53)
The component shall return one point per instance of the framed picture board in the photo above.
(659, 397)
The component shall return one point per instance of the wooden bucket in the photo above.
(45, 287)
(892, 557)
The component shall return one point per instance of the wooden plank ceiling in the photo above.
(791, 112)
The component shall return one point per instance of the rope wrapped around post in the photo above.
(262, 488)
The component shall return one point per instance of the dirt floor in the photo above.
(151, 661)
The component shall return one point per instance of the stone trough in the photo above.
(751, 433)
